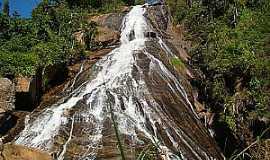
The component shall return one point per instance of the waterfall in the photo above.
(121, 83)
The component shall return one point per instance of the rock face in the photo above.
(111, 20)
(7, 95)
(7, 99)
(28, 92)
(15, 152)
(108, 30)
(54, 75)
(106, 37)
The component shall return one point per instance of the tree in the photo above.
(6, 7)
(89, 30)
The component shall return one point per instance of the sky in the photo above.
(24, 7)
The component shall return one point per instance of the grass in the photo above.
(176, 62)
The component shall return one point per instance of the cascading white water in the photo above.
(117, 64)
(133, 105)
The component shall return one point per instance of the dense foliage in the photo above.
(231, 42)
(27, 44)
(48, 37)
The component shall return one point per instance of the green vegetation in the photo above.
(231, 42)
(47, 39)
(149, 152)
(99, 6)
(176, 62)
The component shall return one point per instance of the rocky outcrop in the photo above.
(7, 107)
(54, 75)
(28, 92)
(7, 99)
(7, 95)
(16, 152)
(106, 37)
(159, 17)
(108, 30)
(111, 20)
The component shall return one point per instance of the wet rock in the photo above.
(15, 152)
(87, 64)
(151, 35)
(158, 17)
(172, 36)
(131, 36)
(1, 146)
(181, 113)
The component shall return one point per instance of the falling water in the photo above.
(119, 84)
